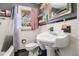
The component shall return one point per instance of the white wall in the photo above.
(5, 29)
(29, 35)
(78, 29)
(71, 50)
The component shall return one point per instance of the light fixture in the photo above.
(44, 5)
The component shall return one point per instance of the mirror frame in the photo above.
(65, 12)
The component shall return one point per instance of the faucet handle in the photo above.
(51, 28)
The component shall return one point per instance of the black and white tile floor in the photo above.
(24, 52)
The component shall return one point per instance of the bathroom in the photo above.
(29, 20)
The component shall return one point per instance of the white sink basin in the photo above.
(49, 40)
(53, 39)
(46, 38)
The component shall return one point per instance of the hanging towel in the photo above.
(34, 18)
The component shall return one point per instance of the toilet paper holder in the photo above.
(23, 41)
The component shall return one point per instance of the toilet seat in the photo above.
(31, 46)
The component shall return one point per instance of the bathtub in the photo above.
(9, 52)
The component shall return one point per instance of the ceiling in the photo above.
(58, 5)
(6, 5)
(10, 5)
(36, 5)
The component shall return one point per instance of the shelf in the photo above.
(26, 28)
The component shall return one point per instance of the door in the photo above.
(4, 29)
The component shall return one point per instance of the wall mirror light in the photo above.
(60, 9)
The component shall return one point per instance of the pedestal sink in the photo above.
(51, 40)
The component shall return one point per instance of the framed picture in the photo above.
(5, 13)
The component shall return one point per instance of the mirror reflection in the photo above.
(58, 7)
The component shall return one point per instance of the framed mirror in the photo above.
(60, 9)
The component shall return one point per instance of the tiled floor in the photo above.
(24, 52)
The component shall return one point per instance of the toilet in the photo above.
(32, 48)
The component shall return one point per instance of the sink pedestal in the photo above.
(50, 51)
